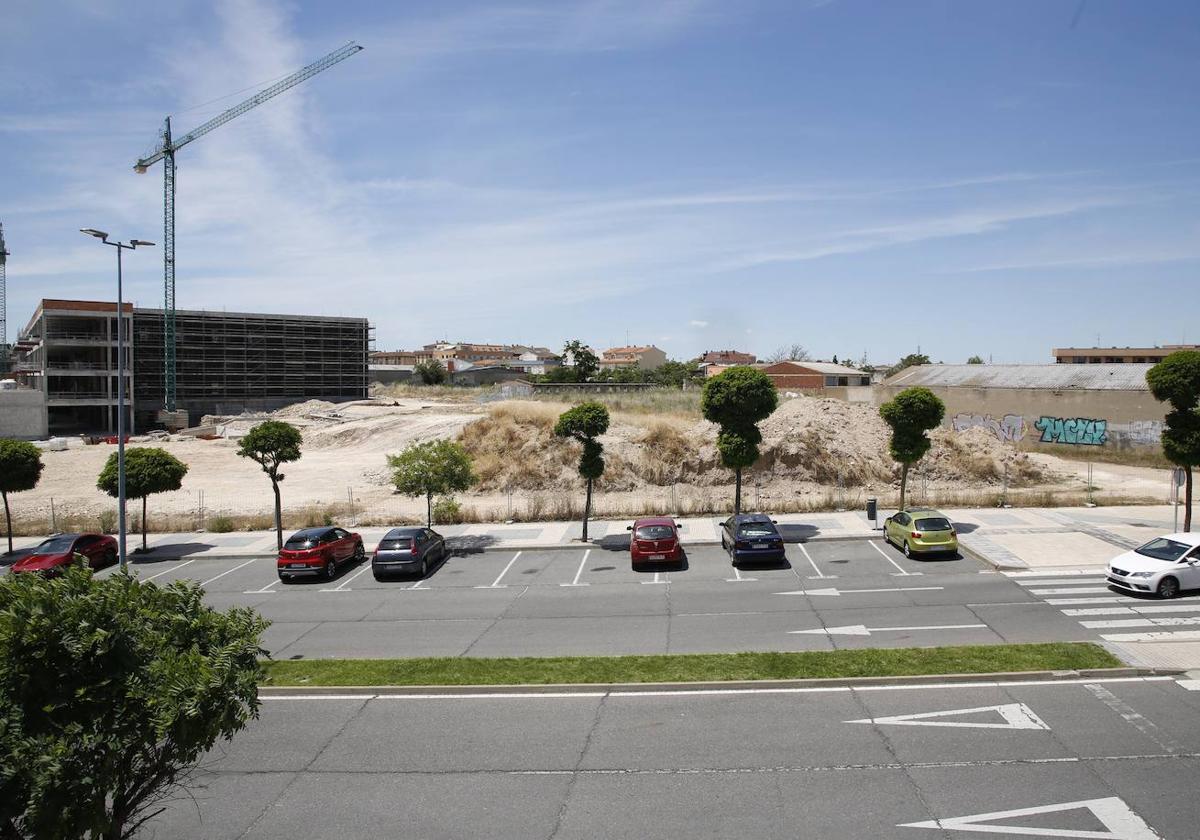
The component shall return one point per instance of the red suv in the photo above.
(56, 553)
(318, 552)
(654, 540)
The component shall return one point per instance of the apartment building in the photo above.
(646, 357)
(1117, 355)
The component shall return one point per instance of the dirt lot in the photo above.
(817, 454)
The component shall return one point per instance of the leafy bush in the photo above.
(108, 521)
(447, 511)
(110, 691)
(220, 525)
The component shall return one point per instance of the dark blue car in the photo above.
(752, 536)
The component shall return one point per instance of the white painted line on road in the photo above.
(1119, 820)
(657, 579)
(234, 569)
(1161, 636)
(1074, 590)
(1111, 599)
(579, 571)
(812, 562)
(1134, 718)
(1079, 581)
(496, 583)
(417, 586)
(1015, 715)
(168, 571)
(860, 630)
(883, 554)
(1189, 685)
(830, 590)
(705, 692)
(1148, 621)
(341, 587)
(737, 577)
(1058, 573)
(266, 590)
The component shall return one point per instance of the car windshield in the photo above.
(300, 542)
(1163, 549)
(933, 523)
(56, 545)
(655, 532)
(756, 529)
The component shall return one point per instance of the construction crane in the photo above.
(3, 304)
(165, 152)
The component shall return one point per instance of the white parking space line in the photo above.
(820, 575)
(418, 586)
(234, 569)
(266, 590)
(341, 587)
(579, 571)
(737, 577)
(657, 579)
(496, 583)
(1074, 590)
(883, 554)
(168, 571)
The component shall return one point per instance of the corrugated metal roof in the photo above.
(1110, 377)
(831, 368)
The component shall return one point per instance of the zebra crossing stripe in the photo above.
(1080, 581)
(1148, 621)
(1160, 636)
(1074, 590)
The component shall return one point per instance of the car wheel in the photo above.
(359, 552)
(907, 550)
(424, 567)
(330, 569)
(1168, 588)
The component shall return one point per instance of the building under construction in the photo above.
(226, 362)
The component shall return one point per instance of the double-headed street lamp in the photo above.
(120, 246)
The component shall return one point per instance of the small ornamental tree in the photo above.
(20, 469)
(436, 467)
(1176, 380)
(737, 400)
(585, 361)
(430, 372)
(110, 691)
(584, 423)
(912, 413)
(975, 360)
(272, 444)
(148, 470)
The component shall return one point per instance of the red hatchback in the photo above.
(318, 552)
(57, 553)
(654, 540)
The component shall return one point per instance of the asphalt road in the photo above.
(830, 594)
(1104, 759)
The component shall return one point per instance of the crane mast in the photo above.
(165, 152)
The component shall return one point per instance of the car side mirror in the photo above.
(774, 521)
(628, 527)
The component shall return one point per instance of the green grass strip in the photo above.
(705, 667)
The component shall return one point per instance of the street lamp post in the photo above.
(120, 246)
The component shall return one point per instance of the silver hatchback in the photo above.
(408, 551)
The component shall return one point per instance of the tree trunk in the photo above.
(278, 516)
(1187, 502)
(144, 547)
(587, 509)
(428, 509)
(7, 521)
(737, 492)
(903, 483)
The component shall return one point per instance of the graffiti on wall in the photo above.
(1011, 427)
(1080, 431)
(1144, 432)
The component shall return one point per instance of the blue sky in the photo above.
(856, 177)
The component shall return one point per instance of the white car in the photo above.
(1164, 566)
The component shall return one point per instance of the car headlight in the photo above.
(1140, 574)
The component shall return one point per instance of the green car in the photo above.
(920, 531)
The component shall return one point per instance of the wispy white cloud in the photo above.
(696, 323)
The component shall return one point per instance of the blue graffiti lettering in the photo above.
(1077, 431)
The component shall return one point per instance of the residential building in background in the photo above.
(814, 375)
(644, 357)
(226, 362)
(727, 357)
(1117, 355)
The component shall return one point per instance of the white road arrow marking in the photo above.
(860, 630)
(1016, 716)
(1120, 822)
(829, 590)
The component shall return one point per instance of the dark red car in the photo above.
(58, 552)
(654, 540)
(318, 552)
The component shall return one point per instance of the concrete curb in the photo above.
(731, 685)
(966, 550)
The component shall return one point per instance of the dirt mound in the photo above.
(303, 409)
(806, 441)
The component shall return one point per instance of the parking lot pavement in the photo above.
(1104, 759)
(838, 594)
